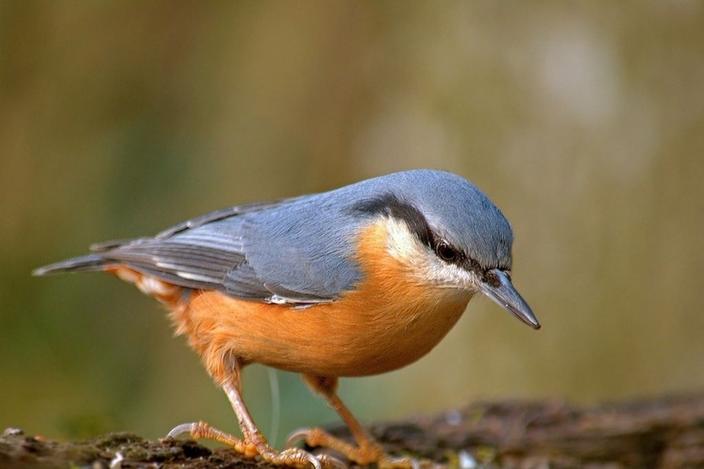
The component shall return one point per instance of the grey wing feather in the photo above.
(303, 254)
(256, 252)
(206, 252)
(243, 282)
(105, 246)
(197, 257)
(210, 217)
(222, 214)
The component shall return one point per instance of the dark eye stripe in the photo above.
(389, 204)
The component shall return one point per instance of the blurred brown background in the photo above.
(583, 121)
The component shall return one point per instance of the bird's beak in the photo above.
(500, 289)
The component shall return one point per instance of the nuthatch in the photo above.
(357, 281)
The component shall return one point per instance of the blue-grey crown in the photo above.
(452, 208)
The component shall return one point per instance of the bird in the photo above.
(360, 280)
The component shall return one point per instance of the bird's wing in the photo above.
(301, 253)
(213, 252)
(215, 215)
(223, 214)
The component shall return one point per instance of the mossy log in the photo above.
(653, 433)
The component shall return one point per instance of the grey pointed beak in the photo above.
(499, 288)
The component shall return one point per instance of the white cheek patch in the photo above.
(452, 276)
(423, 264)
(401, 243)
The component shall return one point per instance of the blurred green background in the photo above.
(583, 121)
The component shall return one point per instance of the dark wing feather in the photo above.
(210, 217)
(227, 250)
(220, 215)
(184, 255)
(206, 252)
(188, 265)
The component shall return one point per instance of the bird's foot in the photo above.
(257, 446)
(368, 453)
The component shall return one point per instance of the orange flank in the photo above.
(390, 320)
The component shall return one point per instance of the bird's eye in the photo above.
(446, 252)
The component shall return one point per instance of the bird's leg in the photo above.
(367, 450)
(253, 442)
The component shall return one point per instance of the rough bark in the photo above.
(655, 433)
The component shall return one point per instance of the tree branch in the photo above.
(664, 432)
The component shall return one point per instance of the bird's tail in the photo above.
(168, 293)
(87, 263)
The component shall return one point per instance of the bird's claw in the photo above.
(295, 457)
(371, 453)
(289, 457)
(182, 429)
(300, 458)
(331, 462)
(299, 435)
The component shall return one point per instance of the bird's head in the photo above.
(449, 234)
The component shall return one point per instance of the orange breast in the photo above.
(390, 320)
